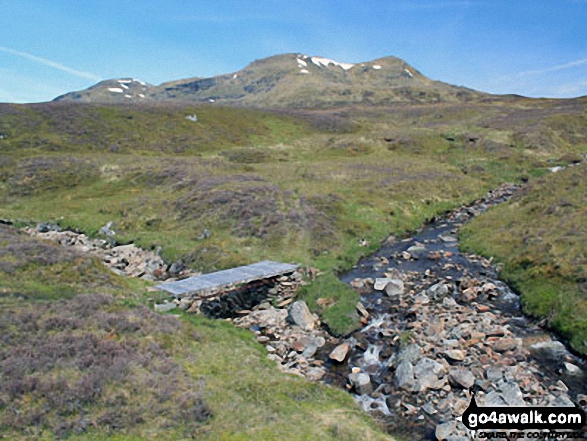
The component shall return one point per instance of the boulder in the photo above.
(361, 309)
(552, 350)
(505, 344)
(445, 431)
(512, 394)
(394, 288)
(494, 374)
(381, 283)
(361, 382)
(308, 345)
(315, 373)
(438, 291)
(448, 238)
(265, 318)
(455, 354)
(410, 354)
(106, 230)
(573, 369)
(461, 377)
(469, 294)
(449, 303)
(300, 315)
(426, 366)
(417, 251)
(164, 307)
(404, 375)
(428, 373)
(340, 352)
(494, 398)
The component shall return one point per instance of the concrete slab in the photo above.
(220, 280)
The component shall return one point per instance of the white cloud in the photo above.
(53, 64)
(564, 66)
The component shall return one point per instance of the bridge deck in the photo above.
(221, 280)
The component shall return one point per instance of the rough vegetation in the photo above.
(541, 240)
(302, 186)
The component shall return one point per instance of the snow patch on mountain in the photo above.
(325, 62)
(115, 89)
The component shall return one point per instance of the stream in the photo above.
(452, 327)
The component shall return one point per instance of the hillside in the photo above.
(291, 80)
(540, 238)
(301, 186)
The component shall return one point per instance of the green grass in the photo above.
(254, 401)
(540, 238)
(340, 314)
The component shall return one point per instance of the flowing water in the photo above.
(424, 260)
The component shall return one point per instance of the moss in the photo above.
(335, 301)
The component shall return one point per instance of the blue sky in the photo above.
(533, 48)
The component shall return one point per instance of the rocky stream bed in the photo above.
(440, 325)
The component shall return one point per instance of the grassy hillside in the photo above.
(293, 186)
(540, 238)
(81, 357)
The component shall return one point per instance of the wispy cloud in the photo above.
(564, 66)
(536, 82)
(242, 18)
(53, 64)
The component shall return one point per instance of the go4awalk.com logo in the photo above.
(525, 422)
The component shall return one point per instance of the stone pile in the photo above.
(421, 358)
(292, 337)
(291, 334)
(128, 260)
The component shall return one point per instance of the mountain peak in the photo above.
(291, 80)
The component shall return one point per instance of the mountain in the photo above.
(111, 91)
(290, 80)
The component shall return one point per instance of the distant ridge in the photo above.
(290, 80)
